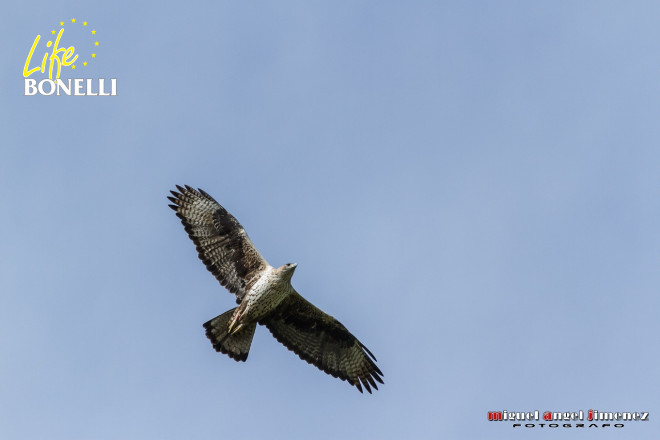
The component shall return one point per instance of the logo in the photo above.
(578, 419)
(58, 59)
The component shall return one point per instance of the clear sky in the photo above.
(472, 188)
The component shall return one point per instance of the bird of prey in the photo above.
(265, 296)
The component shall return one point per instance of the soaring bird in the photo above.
(265, 296)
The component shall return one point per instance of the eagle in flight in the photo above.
(265, 296)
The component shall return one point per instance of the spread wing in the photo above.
(221, 241)
(321, 340)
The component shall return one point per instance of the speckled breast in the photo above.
(266, 295)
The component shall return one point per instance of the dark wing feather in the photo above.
(321, 340)
(221, 241)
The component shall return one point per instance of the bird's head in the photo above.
(288, 269)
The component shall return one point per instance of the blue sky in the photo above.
(470, 187)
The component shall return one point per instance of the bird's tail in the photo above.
(236, 345)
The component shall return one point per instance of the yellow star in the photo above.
(96, 43)
(93, 55)
(52, 32)
(61, 23)
(93, 31)
(84, 63)
(84, 23)
(73, 20)
(73, 66)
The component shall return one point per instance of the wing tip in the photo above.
(365, 379)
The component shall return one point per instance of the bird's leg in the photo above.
(235, 320)
(233, 330)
